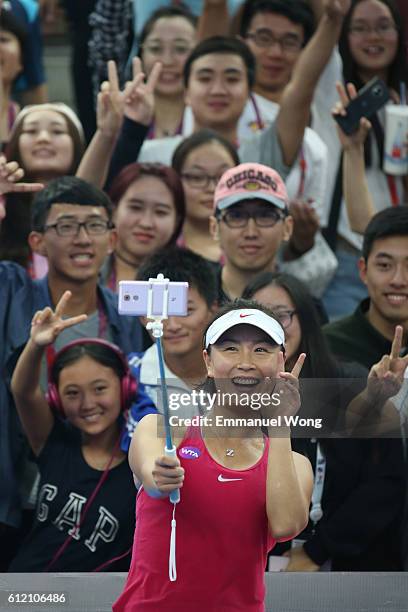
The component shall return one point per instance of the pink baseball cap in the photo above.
(250, 182)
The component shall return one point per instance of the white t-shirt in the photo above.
(259, 109)
(323, 123)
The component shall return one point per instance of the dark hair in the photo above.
(198, 139)
(385, 224)
(182, 265)
(296, 11)
(9, 23)
(98, 352)
(319, 362)
(12, 151)
(165, 12)
(167, 175)
(225, 45)
(398, 70)
(66, 190)
(397, 73)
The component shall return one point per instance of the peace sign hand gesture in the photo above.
(386, 377)
(139, 96)
(46, 325)
(287, 386)
(110, 102)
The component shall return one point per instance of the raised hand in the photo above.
(305, 225)
(386, 377)
(336, 9)
(357, 139)
(110, 103)
(10, 174)
(139, 96)
(47, 324)
(287, 386)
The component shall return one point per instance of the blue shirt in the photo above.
(20, 298)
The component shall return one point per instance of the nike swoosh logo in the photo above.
(242, 316)
(222, 479)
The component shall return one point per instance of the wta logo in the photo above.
(189, 452)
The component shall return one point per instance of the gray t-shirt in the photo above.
(262, 148)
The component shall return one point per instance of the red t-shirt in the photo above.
(222, 540)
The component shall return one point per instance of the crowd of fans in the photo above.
(203, 147)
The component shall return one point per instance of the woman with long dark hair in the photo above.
(371, 45)
(355, 511)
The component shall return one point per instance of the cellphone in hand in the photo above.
(369, 100)
(133, 298)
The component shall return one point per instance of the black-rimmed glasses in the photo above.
(285, 317)
(265, 38)
(200, 180)
(93, 227)
(384, 29)
(266, 216)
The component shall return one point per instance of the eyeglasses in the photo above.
(267, 216)
(200, 181)
(93, 227)
(264, 38)
(157, 49)
(285, 317)
(386, 29)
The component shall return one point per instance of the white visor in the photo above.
(248, 316)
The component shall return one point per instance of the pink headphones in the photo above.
(128, 384)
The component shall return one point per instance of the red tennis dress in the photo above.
(222, 540)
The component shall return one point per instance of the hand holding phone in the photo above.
(367, 102)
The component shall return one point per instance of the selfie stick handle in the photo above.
(156, 326)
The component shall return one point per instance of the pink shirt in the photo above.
(222, 540)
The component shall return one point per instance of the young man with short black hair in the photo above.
(364, 337)
(72, 229)
(251, 221)
(182, 349)
(217, 88)
(367, 334)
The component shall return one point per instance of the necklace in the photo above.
(126, 261)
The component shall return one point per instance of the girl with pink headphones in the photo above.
(86, 501)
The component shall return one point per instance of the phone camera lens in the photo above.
(377, 91)
(126, 297)
(136, 297)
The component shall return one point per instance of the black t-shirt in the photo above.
(67, 482)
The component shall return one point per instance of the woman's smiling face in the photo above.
(243, 360)
(373, 37)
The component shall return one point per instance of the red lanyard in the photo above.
(112, 275)
(392, 187)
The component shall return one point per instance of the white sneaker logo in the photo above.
(222, 479)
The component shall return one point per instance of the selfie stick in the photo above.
(156, 326)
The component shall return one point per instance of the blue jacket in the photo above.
(20, 298)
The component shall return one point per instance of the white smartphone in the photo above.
(133, 298)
